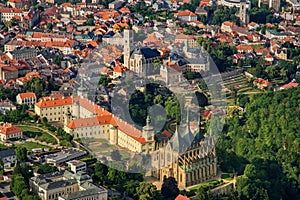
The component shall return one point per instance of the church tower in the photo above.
(82, 91)
(244, 16)
(128, 43)
(148, 130)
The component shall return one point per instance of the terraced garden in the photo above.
(37, 134)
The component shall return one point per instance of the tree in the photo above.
(169, 188)
(21, 153)
(297, 78)
(35, 85)
(104, 80)
(57, 60)
(44, 120)
(201, 194)
(101, 171)
(131, 187)
(115, 155)
(18, 184)
(1, 166)
(146, 191)
(46, 168)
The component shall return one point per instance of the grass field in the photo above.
(38, 134)
(31, 145)
(209, 185)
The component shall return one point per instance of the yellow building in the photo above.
(85, 119)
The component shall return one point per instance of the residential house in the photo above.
(15, 3)
(186, 15)
(9, 131)
(261, 83)
(8, 72)
(27, 98)
(227, 26)
(6, 106)
(244, 48)
(281, 54)
(253, 26)
(186, 39)
(289, 85)
(8, 157)
(270, 33)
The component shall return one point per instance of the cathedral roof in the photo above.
(178, 143)
(146, 52)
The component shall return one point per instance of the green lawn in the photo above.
(38, 134)
(208, 185)
(227, 176)
(31, 145)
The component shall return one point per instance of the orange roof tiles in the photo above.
(185, 13)
(229, 23)
(244, 47)
(181, 197)
(8, 129)
(11, 10)
(125, 10)
(27, 95)
(47, 102)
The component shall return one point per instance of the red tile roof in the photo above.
(27, 95)
(181, 197)
(185, 13)
(8, 129)
(289, 85)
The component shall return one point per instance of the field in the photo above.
(38, 134)
(31, 145)
(101, 147)
(209, 185)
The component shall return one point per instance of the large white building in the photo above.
(235, 3)
(27, 98)
(84, 119)
(8, 14)
(64, 185)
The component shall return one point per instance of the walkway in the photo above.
(46, 131)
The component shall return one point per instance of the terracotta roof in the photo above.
(181, 197)
(228, 23)
(8, 129)
(11, 10)
(15, 1)
(182, 36)
(124, 10)
(27, 95)
(244, 48)
(185, 13)
(289, 85)
(47, 102)
(118, 69)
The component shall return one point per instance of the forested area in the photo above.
(263, 146)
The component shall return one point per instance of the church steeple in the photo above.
(188, 135)
(177, 142)
(82, 91)
(148, 130)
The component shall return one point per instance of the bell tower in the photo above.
(244, 16)
(128, 43)
(148, 130)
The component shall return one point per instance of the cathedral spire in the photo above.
(188, 135)
(177, 142)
